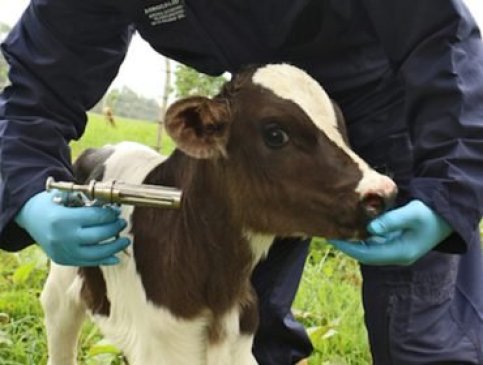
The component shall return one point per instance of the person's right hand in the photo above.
(74, 236)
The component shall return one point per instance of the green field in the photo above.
(328, 301)
(99, 132)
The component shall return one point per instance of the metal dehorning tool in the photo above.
(115, 192)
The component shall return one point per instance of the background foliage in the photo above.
(4, 29)
(189, 82)
(126, 103)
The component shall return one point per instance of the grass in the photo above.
(99, 132)
(328, 301)
(328, 304)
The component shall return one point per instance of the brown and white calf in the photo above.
(266, 157)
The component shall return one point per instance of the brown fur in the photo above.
(93, 290)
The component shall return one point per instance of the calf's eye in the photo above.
(274, 136)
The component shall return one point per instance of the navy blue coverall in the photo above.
(408, 76)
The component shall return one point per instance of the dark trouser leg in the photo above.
(428, 313)
(280, 340)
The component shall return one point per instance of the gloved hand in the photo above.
(72, 235)
(400, 236)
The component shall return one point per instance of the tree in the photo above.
(4, 29)
(164, 101)
(3, 72)
(190, 82)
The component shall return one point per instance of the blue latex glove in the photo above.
(72, 235)
(400, 236)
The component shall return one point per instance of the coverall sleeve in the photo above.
(63, 55)
(435, 47)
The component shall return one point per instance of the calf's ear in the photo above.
(199, 126)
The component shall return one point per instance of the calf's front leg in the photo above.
(64, 314)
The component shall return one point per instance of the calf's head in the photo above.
(280, 145)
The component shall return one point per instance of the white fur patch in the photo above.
(291, 83)
(131, 162)
(241, 351)
(222, 353)
(260, 245)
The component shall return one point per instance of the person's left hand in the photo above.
(400, 236)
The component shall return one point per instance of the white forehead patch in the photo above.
(291, 83)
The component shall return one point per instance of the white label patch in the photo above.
(165, 12)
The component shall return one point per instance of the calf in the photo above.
(266, 157)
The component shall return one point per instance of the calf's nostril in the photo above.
(373, 204)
